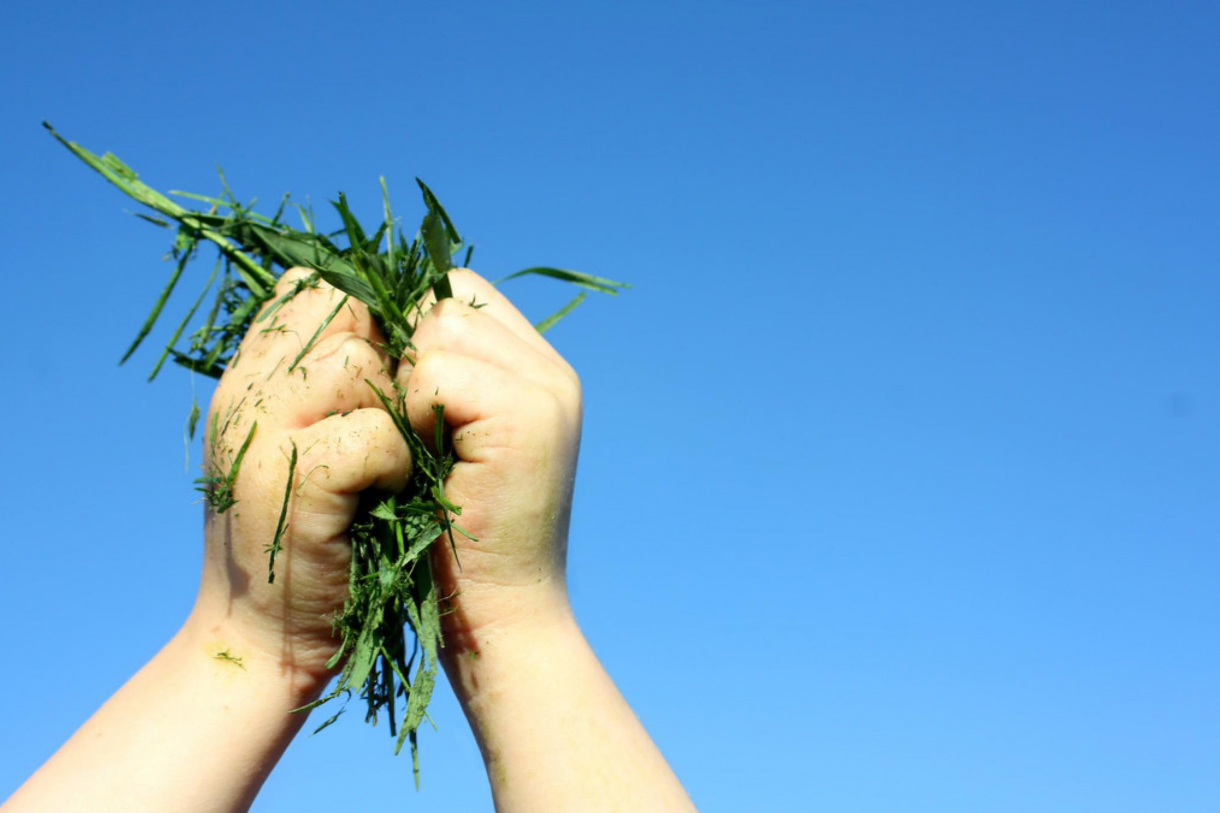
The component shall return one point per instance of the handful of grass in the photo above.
(391, 585)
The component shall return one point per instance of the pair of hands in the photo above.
(553, 729)
(513, 405)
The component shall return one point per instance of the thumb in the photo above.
(340, 456)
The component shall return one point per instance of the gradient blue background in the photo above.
(900, 487)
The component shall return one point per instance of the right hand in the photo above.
(514, 407)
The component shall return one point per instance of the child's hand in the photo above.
(514, 406)
(554, 731)
(345, 442)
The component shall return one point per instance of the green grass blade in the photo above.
(438, 252)
(122, 176)
(552, 320)
(329, 721)
(160, 304)
(438, 233)
(351, 284)
(599, 284)
(389, 226)
(241, 455)
(156, 221)
(355, 234)
(309, 344)
(282, 525)
(434, 205)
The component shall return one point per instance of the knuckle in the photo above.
(358, 349)
(346, 350)
(379, 420)
(449, 324)
(555, 415)
(556, 408)
(425, 375)
(470, 288)
(290, 278)
(569, 390)
(375, 426)
(463, 281)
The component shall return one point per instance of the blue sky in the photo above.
(900, 486)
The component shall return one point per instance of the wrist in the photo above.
(554, 732)
(477, 615)
(199, 727)
(482, 657)
(274, 667)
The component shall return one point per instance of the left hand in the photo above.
(345, 443)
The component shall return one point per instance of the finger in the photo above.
(456, 327)
(333, 377)
(345, 454)
(290, 321)
(469, 287)
(488, 407)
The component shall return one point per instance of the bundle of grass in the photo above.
(391, 585)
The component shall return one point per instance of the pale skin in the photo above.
(554, 732)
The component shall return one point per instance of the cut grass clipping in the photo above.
(391, 586)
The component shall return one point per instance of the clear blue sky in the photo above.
(900, 487)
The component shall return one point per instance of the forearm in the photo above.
(555, 733)
(197, 729)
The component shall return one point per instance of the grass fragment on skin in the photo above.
(389, 627)
(217, 488)
(314, 338)
(226, 655)
(282, 525)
